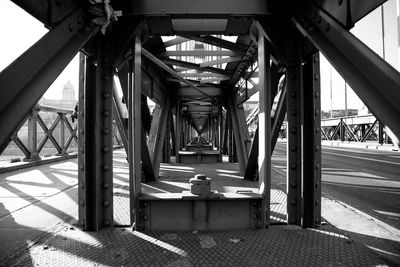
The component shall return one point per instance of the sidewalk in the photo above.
(38, 227)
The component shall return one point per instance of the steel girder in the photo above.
(264, 127)
(374, 80)
(311, 142)
(25, 80)
(95, 157)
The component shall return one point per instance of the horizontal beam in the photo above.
(211, 40)
(175, 41)
(219, 61)
(215, 79)
(196, 53)
(162, 65)
(194, 66)
(188, 91)
(202, 75)
(204, 7)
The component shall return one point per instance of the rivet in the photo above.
(340, 2)
(319, 19)
(106, 185)
(293, 112)
(82, 203)
(70, 27)
(317, 113)
(293, 185)
(106, 77)
(293, 94)
(107, 223)
(317, 148)
(106, 167)
(82, 96)
(317, 166)
(79, 20)
(292, 77)
(254, 203)
(82, 132)
(293, 148)
(255, 216)
(145, 217)
(106, 113)
(315, 60)
(316, 95)
(82, 222)
(316, 77)
(316, 184)
(317, 130)
(106, 149)
(293, 130)
(293, 166)
(82, 185)
(82, 167)
(145, 204)
(293, 221)
(106, 203)
(293, 202)
(106, 95)
(106, 131)
(316, 202)
(82, 150)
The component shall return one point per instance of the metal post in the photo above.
(312, 143)
(62, 134)
(32, 136)
(264, 127)
(294, 145)
(135, 129)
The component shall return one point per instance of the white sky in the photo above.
(17, 36)
(19, 31)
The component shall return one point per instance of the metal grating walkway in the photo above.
(277, 246)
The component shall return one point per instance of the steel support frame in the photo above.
(371, 77)
(135, 129)
(95, 140)
(294, 144)
(41, 64)
(241, 133)
(311, 136)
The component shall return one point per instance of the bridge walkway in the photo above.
(38, 226)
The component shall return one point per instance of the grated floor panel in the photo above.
(280, 245)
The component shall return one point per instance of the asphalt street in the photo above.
(368, 180)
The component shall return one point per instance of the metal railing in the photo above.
(47, 131)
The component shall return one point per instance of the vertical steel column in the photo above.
(135, 129)
(32, 135)
(312, 143)
(62, 134)
(264, 127)
(96, 175)
(178, 131)
(294, 146)
(380, 133)
(82, 204)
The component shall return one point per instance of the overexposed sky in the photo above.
(19, 31)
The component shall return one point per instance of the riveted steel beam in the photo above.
(372, 79)
(239, 48)
(206, 7)
(194, 66)
(135, 130)
(264, 127)
(312, 143)
(95, 155)
(41, 64)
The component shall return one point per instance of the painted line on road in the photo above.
(363, 158)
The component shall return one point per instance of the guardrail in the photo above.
(47, 131)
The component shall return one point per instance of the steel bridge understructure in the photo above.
(283, 39)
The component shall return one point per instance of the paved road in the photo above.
(368, 180)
